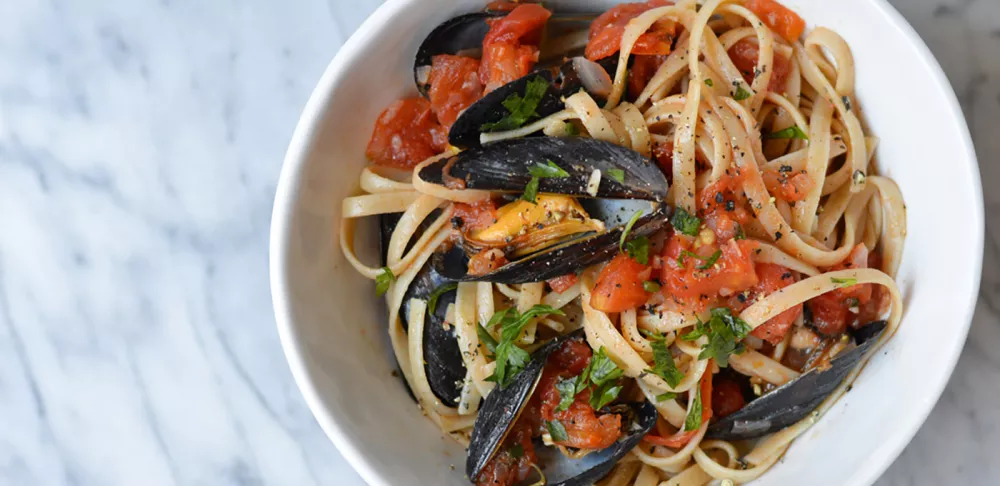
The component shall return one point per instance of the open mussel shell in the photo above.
(566, 258)
(561, 82)
(444, 367)
(504, 166)
(460, 34)
(794, 400)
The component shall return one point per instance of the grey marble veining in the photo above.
(140, 143)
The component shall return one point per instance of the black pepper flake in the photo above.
(457, 222)
(730, 205)
(786, 275)
(785, 168)
(718, 197)
(742, 298)
(777, 235)
(847, 102)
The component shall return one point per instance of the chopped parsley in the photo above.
(852, 302)
(663, 363)
(741, 93)
(437, 293)
(556, 430)
(709, 82)
(516, 452)
(617, 174)
(638, 249)
(567, 393)
(531, 190)
(510, 359)
(740, 234)
(520, 108)
(570, 129)
(486, 338)
(791, 132)
(604, 375)
(548, 169)
(724, 332)
(708, 261)
(666, 396)
(693, 419)
(650, 286)
(844, 282)
(628, 229)
(685, 223)
(383, 280)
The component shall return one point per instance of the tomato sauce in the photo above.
(771, 278)
(744, 55)
(832, 311)
(606, 31)
(619, 286)
(406, 133)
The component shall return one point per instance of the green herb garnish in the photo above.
(791, 132)
(567, 393)
(486, 338)
(531, 190)
(617, 174)
(709, 82)
(383, 280)
(638, 249)
(666, 396)
(852, 302)
(520, 108)
(516, 452)
(628, 229)
(548, 169)
(685, 223)
(693, 419)
(557, 431)
(651, 286)
(844, 282)
(741, 93)
(663, 364)
(708, 261)
(724, 332)
(711, 260)
(510, 359)
(740, 234)
(437, 293)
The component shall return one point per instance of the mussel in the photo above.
(572, 234)
(794, 400)
(502, 408)
(444, 367)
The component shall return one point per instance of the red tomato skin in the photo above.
(744, 56)
(724, 206)
(606, 31)
(831, 312)
(642, 70)
(454, 85)
(510, 47)
(476, 216)
(727, 396)
(687, 285)
(791, 188)
(779, 18)
(619, 285)
(406, 133)
(771, 278)
(563, 283)
(664, 155)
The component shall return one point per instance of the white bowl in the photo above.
(332, 324)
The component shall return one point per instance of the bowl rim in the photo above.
(306, 131)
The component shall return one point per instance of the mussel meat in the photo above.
(556, 234)
(500, 411)
(794, 400)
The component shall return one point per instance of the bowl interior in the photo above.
(332, 324)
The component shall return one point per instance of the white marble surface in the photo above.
(140, 143)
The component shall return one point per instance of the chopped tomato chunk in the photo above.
(486, 261)
(405, 134)
(507, 468)
(619, 285)
(664, 154)
(455, 85)
(606, 31)
(681, 438)
(744, 55)
(643, 69)
(727, 396)
(476, 216)
(696, 287)
(788, 187)
(770, 277)
(779, 18)
(510, 47)
(724, 206)
(832, 311)
(501, 6)
(564, 283)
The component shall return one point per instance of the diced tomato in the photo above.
(779, 18)
(831, 311)
(680, 439)
(787, 187)
(486, 261)
(724, 206)
(664, 154)
(505, 469)
(744, 55)
(584, 428)
(406, 133)
(727, 396)
(474, 217)
(606, 31)
(510, 47)
(619, 285)
(771, 278)
(501, 6)
(564, 283)
(643, 69)
(697, 288)
(455, 85)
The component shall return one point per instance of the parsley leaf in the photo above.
(557, 430)
(709, 82)
(708, 261)
(520, 109)
(604, 395)
(602, 369)
(617, 174)
(531, 190)
(567, 393)
(510, 359)
(685, 223)
(650, 286)
(666, 396)
(548, 169)
(724, 332)
(638, 249)
(663, 364)
(741, 93)
(740, 234)
(486, 338)
(693, 419)
(791, 132)
(844, 282)
(852, 302)
(517, 451)
(383, 280)
(437, 293)
(711, 260)
(628, 229)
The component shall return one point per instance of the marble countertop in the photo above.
(140, 144)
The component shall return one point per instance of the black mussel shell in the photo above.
(566, 258)
(462, 33)
(503, 406)
(444, 367)
(794, 400)
(562, 471)
(504, 166)
(561, 82)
